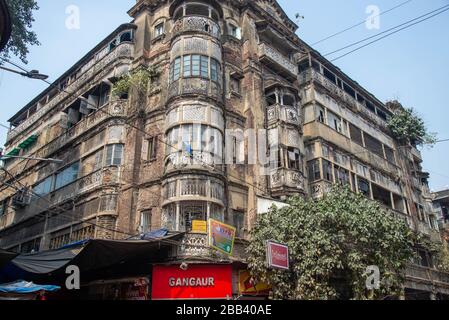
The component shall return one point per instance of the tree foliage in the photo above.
(332, 241)
(21, 12)
(406, 125)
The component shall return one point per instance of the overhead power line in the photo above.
(386, 31)
(360, 23)
(391, 33)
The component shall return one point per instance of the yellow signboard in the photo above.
(199, 226)
(249, 287)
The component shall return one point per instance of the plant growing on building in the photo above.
(139, 79)
(21, 12)
(332, 241)
(407, 126)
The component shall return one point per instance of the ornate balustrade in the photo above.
(108, 111)
(282, 177)
(195, 86)
(194, 188)
(337, 92)
(124, 50)
(278, 112)
(196, 24)
(39, 205)
(271, 55)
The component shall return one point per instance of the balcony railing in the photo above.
(110, 110)
(334, 90)
(430, 275)
(278, 112)
(195, 86)
(196, 24)
(273, 56)
(196, 245)
(194, 188)
(39, 205)
(124, 50)
(283, 177)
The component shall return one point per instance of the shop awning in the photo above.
(24, 287)
(89, 256)
(6, 257)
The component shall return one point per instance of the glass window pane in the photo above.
(204, 66)
(214, 70)
(187, 66)
(109, 150)
(177, 69)
(118, 154)
(195, 65)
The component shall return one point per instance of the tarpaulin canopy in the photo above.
(88, 256)
(26, 287)
(6, 256)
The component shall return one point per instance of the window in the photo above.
(44, 188)
(342, 176)
(214, 70)
(152, 148)
(374, 145)
(389, 153)
(176, 69)
(235, 85)
(126, 37)
(67, 176)
(356, 134)
(239, 223)
(187, 67)
(327, 171)
(3, 206)
(364, 187)
(382, 195)
(114, 154)
(159, 30)
(320, 114)
(196, 65)
(314, 170)
(334, 122)
(145, 221)
(204, 67)
(294, 160)
(235, 31)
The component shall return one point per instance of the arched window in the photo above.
(126, 37)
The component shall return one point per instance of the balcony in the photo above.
(58, 197)
(109, 111)
(286, 179)
(194, 188)
(427, 279)
(195, 86)
(287, 114)
(317, 129)
(196, 245)
(275, 59)
(99, 68)
(338, 93)
(196, 24)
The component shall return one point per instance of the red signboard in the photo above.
(196, 282)
(277, 255)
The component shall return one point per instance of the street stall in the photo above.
(23, 290)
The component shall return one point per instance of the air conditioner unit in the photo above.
(22, 198)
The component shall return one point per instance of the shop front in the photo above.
(192, 281)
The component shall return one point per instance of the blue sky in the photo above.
(411, 66)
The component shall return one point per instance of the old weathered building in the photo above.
(233, 80)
